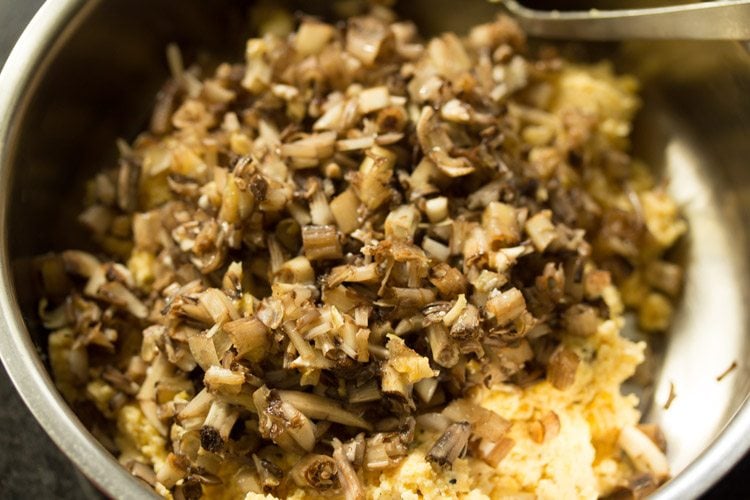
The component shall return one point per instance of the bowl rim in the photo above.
(21, 74)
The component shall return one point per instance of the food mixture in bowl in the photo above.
(368, 265)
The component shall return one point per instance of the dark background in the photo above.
(31, 466)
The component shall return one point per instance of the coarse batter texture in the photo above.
(364, 265)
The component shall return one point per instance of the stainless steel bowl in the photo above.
(85, 73)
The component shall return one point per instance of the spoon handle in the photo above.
(716, 20)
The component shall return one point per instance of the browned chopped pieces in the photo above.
(321, 242)
(347, 475)
(374, 176)
(655, 434)
(448, 280)
(505, 306)
(493, 453)
(319, 472)
(366, 38)
(545, 428)
(269, 473)
(283, 423)
(561, 371)
(328, 248)
(127, 185)
(451, 445)
(581, 320)
(640, 486)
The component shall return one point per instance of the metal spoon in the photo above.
(716, 20)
